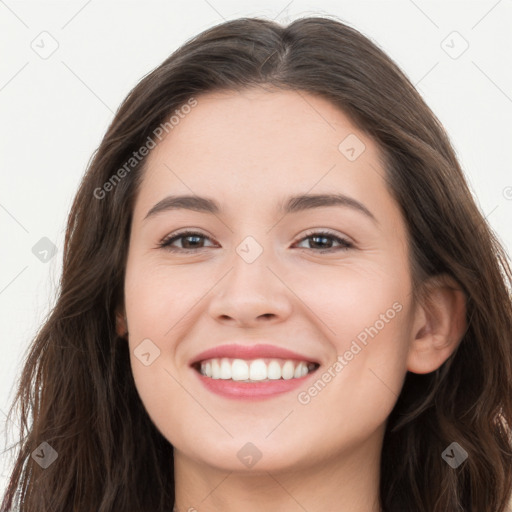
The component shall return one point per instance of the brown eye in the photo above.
(323, 240)
(191, 241)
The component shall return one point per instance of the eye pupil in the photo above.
(194, 237)
(323, 238)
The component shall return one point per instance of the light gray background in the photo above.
(55, 108)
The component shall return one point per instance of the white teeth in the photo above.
(215, 369)
(299, 369)
(239, 370)
(258, 370)
(255, 370)
(225, 369)
(274, 370)
(288, 370)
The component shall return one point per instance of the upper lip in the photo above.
(262, 350)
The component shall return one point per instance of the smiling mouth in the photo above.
(254, 370)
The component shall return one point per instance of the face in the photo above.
(328, 281)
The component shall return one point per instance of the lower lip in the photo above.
(251, 390)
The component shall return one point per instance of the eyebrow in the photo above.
(293, 204)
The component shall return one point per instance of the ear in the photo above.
(439, 324)
(121, 323)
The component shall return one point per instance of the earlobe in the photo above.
(439, 325)
(121, 324)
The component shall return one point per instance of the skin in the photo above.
(250, 150)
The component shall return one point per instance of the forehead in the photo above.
(248, 146)
(262, 125)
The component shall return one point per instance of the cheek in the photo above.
(157, 296)
(367, 320)
(155, 301)
(359, 389)
(353, 300)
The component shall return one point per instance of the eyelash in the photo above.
(166, 242)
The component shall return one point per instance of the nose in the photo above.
(251, 295)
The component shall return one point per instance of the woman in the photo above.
(277, 294)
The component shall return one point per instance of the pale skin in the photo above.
(250, 151)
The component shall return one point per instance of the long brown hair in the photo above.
(76, 391)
